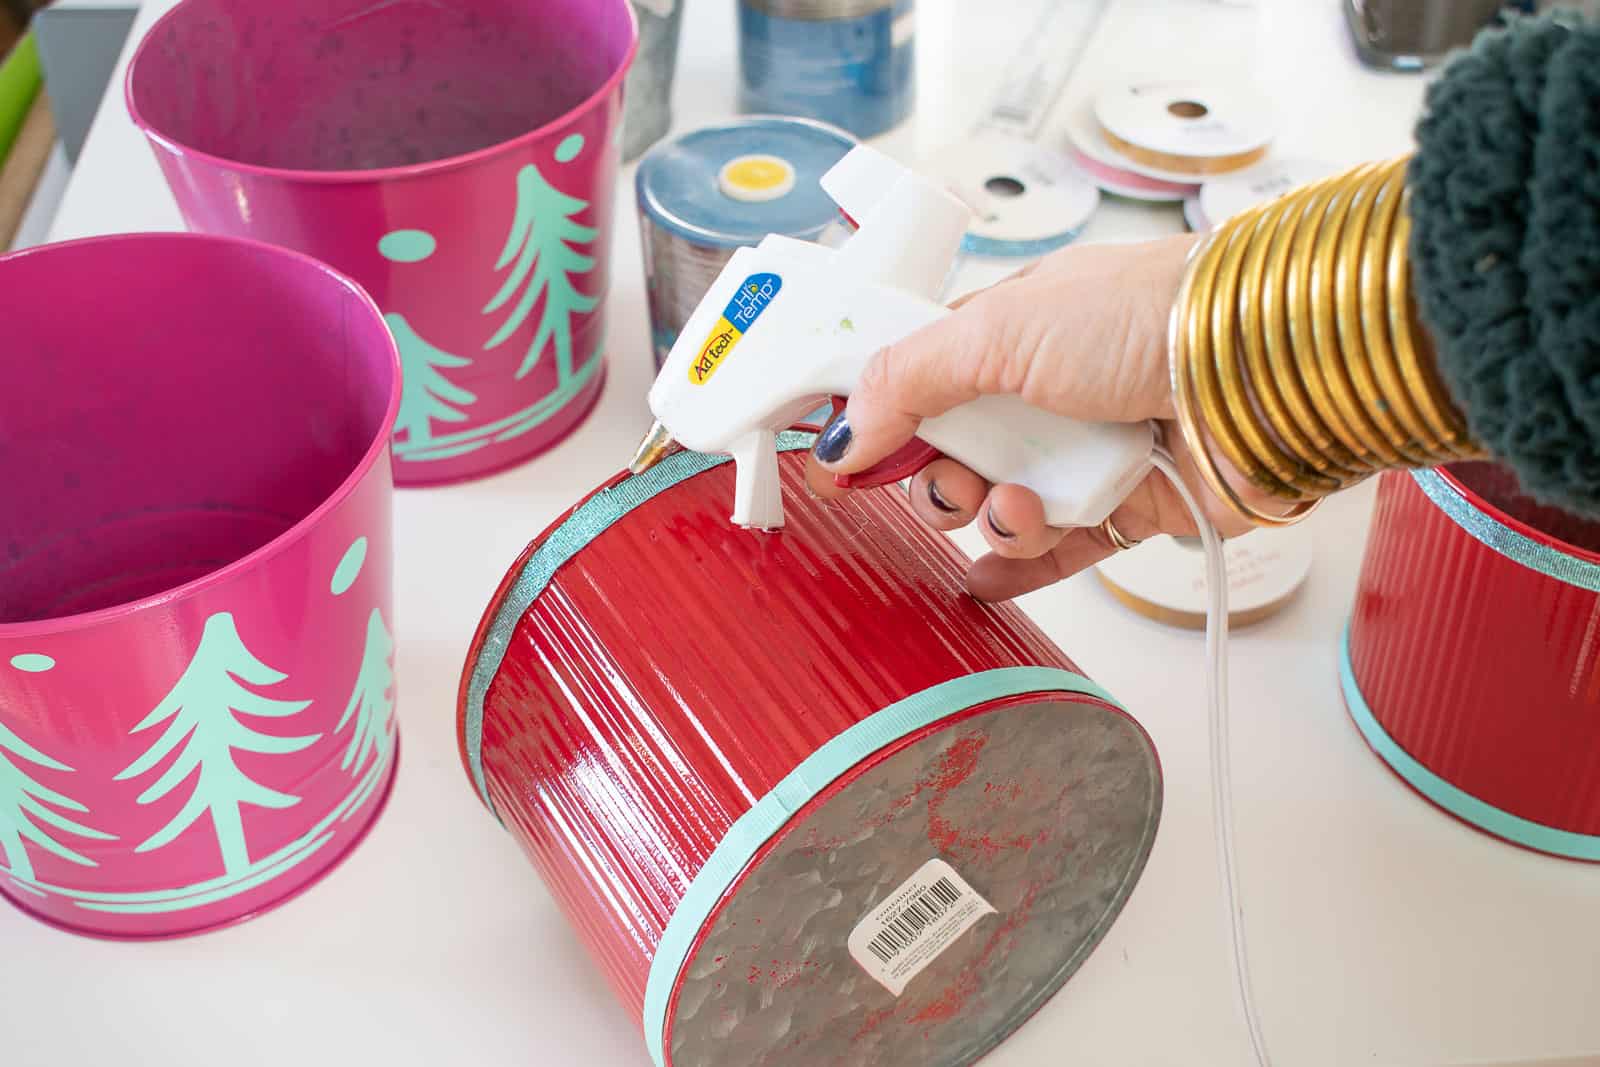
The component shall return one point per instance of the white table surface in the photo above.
(1381, 931)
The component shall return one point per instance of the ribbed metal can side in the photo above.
(1484, 670)
(677, 668)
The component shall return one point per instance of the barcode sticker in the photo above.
(915, 923)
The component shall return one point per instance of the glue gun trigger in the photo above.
(897, 466)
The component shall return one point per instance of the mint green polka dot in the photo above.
(568, 150)
(344, 575)
(407, 246)
(32, 662)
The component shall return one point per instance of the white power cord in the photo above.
(1217, 717)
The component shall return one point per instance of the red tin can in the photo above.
(1472, 661)
(804, 800)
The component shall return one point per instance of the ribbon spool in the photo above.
(1165, 578)
(1181, 132)
(1130, 184)
(1026, 200)
(720, 188)
(785, 839)
(1223, 197)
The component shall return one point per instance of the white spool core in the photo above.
(756, 179)
(1026, 199)
(1165, 578)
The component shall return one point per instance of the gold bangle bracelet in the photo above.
(1303, 345)
(1274, 296)
(1258, 368)
(1365, 337)
(1184, 402)
(1296, 353)
(1331, 358)
(1224, 364)
(1205, 386)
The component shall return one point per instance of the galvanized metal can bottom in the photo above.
(1046, 805)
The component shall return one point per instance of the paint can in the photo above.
(647, 94)
(849, 63)
(724, 187)
(196, 686)
(804, 800)
(1471, 664)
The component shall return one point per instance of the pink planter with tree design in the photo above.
(458, 161)
(196, 702)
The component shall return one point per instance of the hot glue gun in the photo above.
(789, 324)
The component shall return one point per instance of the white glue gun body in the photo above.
(789, 324)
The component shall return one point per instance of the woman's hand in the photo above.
(1082, 333)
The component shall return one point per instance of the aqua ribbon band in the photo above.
(587, 521)
(772, 812)
(1456, 801)
(1493, 533)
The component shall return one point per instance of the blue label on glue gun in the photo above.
(749, 301)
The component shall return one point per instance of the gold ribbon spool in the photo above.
(1195, 166)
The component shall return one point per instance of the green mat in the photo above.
(19, 84)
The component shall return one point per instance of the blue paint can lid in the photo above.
(732, 184)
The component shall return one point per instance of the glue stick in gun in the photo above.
(789, 324)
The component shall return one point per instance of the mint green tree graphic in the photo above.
(370, 706)
(426, 395)
(204, 729)
(542, 243)
(24, 816)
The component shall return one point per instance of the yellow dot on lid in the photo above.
(758, 178)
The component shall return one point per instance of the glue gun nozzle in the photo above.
(655, 447)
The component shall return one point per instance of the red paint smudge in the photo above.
(952, 1001)
(814, 843)
(956, 765)
(873, 1020)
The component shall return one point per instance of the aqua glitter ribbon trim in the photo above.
(1496, 535)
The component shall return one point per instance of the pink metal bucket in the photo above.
(456, 159)
(196, 703)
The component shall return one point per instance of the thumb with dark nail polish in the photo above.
(834, 441)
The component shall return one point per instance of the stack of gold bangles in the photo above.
(1297, 352)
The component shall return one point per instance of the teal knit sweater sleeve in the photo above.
(1505, 207)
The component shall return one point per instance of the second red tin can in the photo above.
(804, 800)
(1472, 662)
